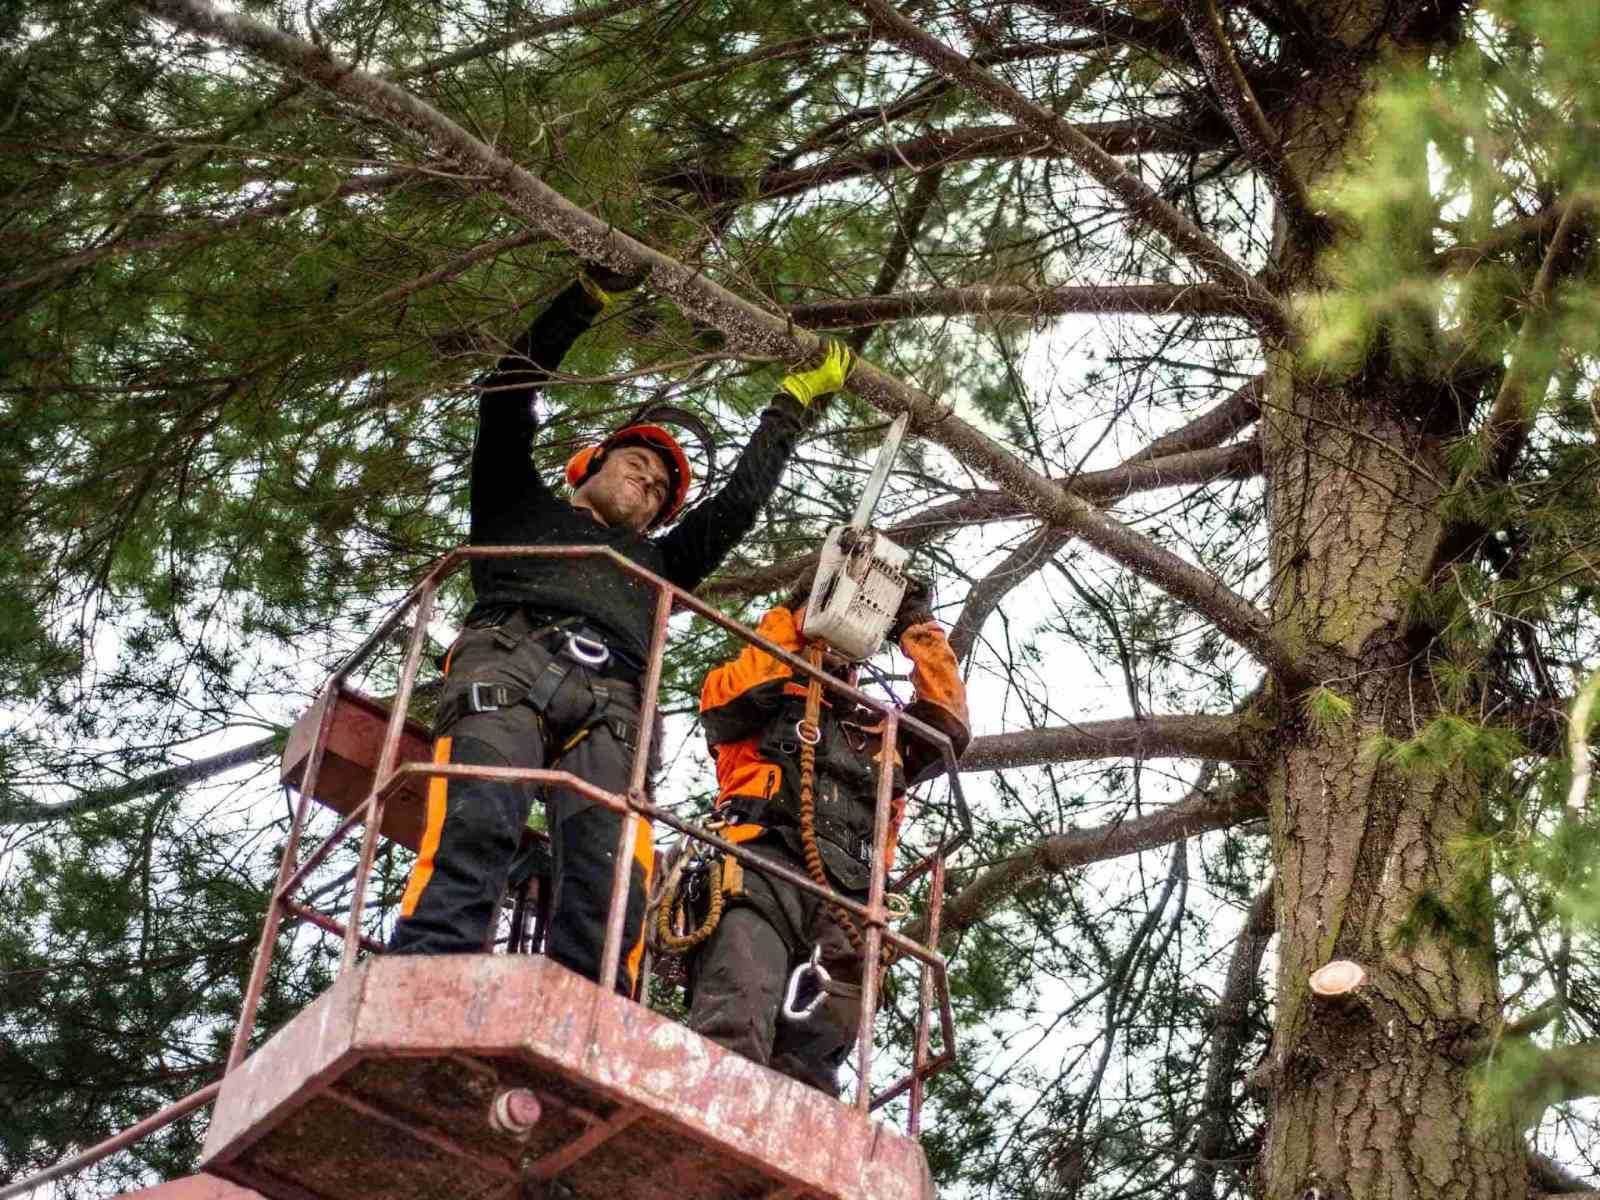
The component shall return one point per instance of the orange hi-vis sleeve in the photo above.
(935, 673)
(754, 666)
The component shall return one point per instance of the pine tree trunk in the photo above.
(1370, 1094)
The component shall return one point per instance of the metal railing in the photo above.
(392, 775)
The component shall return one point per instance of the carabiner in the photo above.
(585, 651)
(792, 994)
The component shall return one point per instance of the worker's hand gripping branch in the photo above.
(603, 285)
(837, 363)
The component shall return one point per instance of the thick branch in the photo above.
(1228, 1028)
(1212, 427)
(1238, 461)
(170, 779)
(1141, 200)
(1223, 739)
(1160, 36)
(753, 330)
(1198, 813)
(944, 146)
(1557, 1075)
(1151, 300)
(1259, 139)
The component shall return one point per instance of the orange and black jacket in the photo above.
(749, 708)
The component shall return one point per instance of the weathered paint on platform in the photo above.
(194, 1187)
(393, 1068)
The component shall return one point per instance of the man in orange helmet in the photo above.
(546, 671)
(752, 708)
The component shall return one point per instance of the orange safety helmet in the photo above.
(587, 461)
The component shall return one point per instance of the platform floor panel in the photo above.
(381, 1090)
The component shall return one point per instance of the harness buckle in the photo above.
(791, 995)
(475, 699)
(586, 651)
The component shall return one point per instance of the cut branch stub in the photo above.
(1341, 977)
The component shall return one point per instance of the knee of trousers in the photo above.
(471, 832)
(585, 853)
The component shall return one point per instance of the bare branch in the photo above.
(754, 330)
(168, 780)
(1228, 1027)
(1142, 201)
(1212, 427)
(1259, 139)
(1151, 300)
(1238, 461)
(1221, 738)
(1197, 813)
(985, 595)
(942, 147)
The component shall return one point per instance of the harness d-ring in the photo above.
(807, 732)
(586, 651)
(792, 994)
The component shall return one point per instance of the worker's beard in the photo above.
(619, 504)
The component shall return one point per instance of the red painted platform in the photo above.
(381, 1090)
(194, 1187)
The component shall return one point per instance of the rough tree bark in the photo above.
(1370, 1095)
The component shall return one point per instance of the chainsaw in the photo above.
(861, 579)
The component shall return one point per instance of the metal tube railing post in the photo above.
(387, 757)
(919, 1054)
(877, 917)
(274, 915)
(638, 778)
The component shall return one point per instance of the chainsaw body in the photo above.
(857, 591)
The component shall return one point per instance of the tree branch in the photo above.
(1227, 1039)
(1141, 200)
(1555, 1076)
(940, 148)
(985, 595)
(1152, 300)
(1211, 427)
(753, 330)
(1197, 813)
(1510, 421)
(514, 37)
(1222, 738)
(170, 779)
(1239, 461)
(1259, 139)
(300, 198)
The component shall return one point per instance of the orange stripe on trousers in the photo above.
(422, 869)
(644, 854)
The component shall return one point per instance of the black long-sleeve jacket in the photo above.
(511, 504)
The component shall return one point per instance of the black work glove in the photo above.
(916, 606)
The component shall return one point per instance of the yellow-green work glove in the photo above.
(806, 386)
(602, 284)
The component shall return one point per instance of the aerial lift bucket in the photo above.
(455, 1077)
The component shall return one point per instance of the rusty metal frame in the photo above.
(933, 983)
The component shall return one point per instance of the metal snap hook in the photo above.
(791, 995)
(586, 651)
